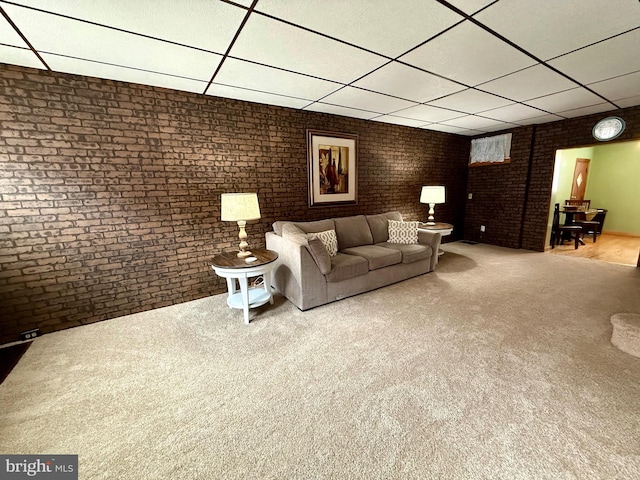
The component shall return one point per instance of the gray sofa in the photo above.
(309, 277)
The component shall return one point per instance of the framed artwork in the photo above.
(333, 168)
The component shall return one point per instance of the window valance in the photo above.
(490, 150)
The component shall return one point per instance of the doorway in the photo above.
(609, 182)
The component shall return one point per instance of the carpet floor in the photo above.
(498, 365)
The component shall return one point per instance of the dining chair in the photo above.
(558, 229)
(589, 227)
(581, 204)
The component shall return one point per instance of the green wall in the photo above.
(613, 183)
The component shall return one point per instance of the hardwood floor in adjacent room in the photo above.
(608, 247)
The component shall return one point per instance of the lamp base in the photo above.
(243, 253)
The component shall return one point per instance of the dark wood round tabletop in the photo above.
(231, 259)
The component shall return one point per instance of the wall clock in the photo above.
(608, 128)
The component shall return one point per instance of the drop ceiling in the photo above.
(460, 66)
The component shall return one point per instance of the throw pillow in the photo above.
(403, 232)
(329, 239)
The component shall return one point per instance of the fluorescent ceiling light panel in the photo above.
(371, 25)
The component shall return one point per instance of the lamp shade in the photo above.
(239, 206)
(432, 194)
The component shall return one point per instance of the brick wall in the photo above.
(512, 200)
(110, 192)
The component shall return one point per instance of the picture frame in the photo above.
(332, 162)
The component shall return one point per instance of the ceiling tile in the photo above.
(539, 119)
(338, 110)
(368, 24)
(451, 129)
(407, 82)
(114, 72)
(471, 101)
(628, 102)
(365, 100)
(473, 122)
(567, 25)
(617, 56)
(512, 113)
(279, 45)
(205, 24)
(19, 56)
(532, 82)
(257, 77)
(470, 6)
(618, 88)
(469, 55)
(254, 96)
(399, 120)
(579, 112)
(58, 35)
(9, 36)
(567, 100)
(426, 113)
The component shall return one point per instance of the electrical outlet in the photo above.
(470, 196)
(482, 228)
(30, 334)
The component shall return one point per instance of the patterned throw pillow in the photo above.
(329, 239)
(403, 232)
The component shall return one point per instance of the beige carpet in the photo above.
(498, 365)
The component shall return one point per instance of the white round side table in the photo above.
(442, 228)
(229, 266)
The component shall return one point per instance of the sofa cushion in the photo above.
(410, 253)
(317, 226)
(403, 232)
(353, 232)
(328, 239)
(379, 225)
(344, 267)
(320, 254)
(378, 257)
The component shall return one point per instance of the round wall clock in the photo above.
(608, 128)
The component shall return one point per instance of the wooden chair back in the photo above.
(581, 204)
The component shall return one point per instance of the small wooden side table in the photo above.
(229, 266)
(443, 229)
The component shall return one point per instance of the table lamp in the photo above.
(432, 195)
(240, 207)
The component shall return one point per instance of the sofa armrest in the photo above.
(297, 275)
(433, 239)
